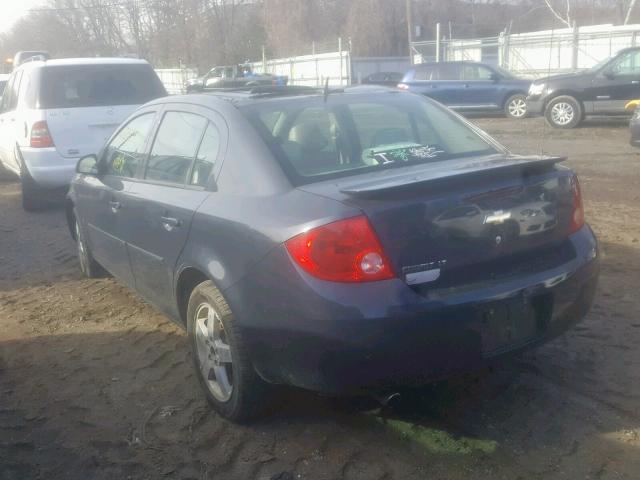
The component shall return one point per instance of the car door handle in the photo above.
(635, 82)
(115, 206)
(170, 223)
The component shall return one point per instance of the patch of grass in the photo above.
(439, 441)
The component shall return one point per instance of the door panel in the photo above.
(450, 88)
(162, 205)
(157, 222)
(611, 95)
(101, 200)
(77, 132)
(480, 90)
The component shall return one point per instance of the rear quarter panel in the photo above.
(253, 209)
(231, 233)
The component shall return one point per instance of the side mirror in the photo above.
(87, 165)
(609, 73)
(495, 77)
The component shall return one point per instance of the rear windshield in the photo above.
(350, 134)
(98, 85)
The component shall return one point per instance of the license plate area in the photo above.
(508, 323)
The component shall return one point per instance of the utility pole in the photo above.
(409, 28)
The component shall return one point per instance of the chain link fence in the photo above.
(535, 54)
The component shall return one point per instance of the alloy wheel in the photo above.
(562, 113)
(214, 352)
(517, 108)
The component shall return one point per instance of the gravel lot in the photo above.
(96, 384)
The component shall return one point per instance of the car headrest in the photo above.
(309, 136)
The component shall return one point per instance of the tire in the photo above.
(88, 265)
(225, 372)
(564, 112)
(516, 106)
(33, 198)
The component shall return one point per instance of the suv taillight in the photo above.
(577, 218)
(40, 136)
(343, 251)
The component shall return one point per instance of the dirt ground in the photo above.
(95, 384)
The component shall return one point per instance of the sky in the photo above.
(12, 10)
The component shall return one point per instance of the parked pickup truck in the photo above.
(232, 77)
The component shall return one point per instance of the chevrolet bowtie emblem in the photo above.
(497, 218)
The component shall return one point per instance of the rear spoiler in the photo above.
(445, 170)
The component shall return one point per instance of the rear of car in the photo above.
(68, 108)
(448, 250)
(341, 241)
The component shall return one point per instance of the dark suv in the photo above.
(469, 86)
(605, 89)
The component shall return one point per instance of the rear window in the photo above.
(2, 84)
(315, 140)
(98, 85)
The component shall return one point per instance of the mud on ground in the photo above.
(95, 384)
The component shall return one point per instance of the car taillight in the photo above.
(343, 251)
(40, 136)
(403, 86)
(577, 218)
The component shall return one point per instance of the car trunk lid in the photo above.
(85, 102)
(477, 217)
(82, 131)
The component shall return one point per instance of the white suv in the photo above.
(53, 112)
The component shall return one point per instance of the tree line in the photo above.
(201, 33)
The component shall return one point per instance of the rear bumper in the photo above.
(339, 338)
(47, 167)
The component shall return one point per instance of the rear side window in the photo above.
(10, 97)
(124, 153)
(206, 156)
(98, 85)
(175, 146)
(7, 95)
(627, 64)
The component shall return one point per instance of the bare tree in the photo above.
(565, 17)
(632, 4)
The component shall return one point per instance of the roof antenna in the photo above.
(326, 89)
(544, 124)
